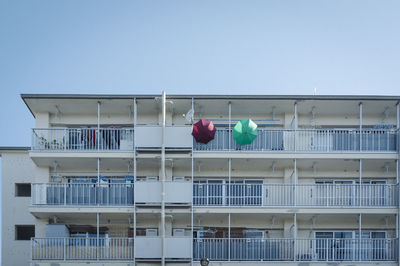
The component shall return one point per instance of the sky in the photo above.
(235, 47)
(194, 47)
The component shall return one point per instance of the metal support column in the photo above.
(359, 236)
(98, 125)
(398, 210)
(163, 179)
(294, 182)
(361, 124)
(98, 235)
(229, 236)
(230, 135)
(295, 125)
(192, 214)
(360, 183)
(398, 115)
(294, 235)
(228, 187)
(134, 178)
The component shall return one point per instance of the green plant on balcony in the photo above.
(50, 145)
(55, 145)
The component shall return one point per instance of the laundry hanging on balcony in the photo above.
(203, 131)
(245, 132)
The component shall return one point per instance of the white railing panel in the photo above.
(82, 139)
(81, 248)
(307, 140)
(312, 195)
(82, 194)
(286, 249)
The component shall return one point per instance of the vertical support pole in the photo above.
(98, 125)
(397, 171)
(192, 214)
(134, 178)
(65, 248)
(229, 236)
(98, 235)
(229, 186)
(294, 182)
(229, 204)
(360, 170)
(295, 125)
(294, 235)
(98, 171)
(230, 133)
(361, 123)
(397, 226)
(359, 236)
(398, 237)
(398, 208)
(398, 115)
(163, 179)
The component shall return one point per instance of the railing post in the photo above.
(65, 249)
(65, 194)
(65, 139)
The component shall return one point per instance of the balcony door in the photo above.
(335, 193)
(334, 246)
(245, 192)
(373, 245)
(209, 192)
(374, 195)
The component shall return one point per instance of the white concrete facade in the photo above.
(318, 186)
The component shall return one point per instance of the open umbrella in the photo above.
(203, 131)
(245, 131)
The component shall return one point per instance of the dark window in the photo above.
(24, 232)
(23, 190)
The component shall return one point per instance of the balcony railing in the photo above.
(318, 249)
(80, 248)
(86, 194)
(313, 195)
(252, 195)
(307, 140)
(82, 139)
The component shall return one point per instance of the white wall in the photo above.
(17, 167)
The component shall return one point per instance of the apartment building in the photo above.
(120, 180)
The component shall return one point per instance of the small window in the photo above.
(23, 190)
(24, 232)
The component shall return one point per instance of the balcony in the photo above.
(289, 195)
(317, 249)
(77, 248)
(82, 139)
(307, 140)
(214, 195)
(75, 194)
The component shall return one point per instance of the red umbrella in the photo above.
(203, 131)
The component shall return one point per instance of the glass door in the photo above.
(334, 246)
(253, 192)
(344, 246)
(215, 191)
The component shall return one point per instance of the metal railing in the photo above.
(286, 249)
(82, 194)
(81, 248)
(303, 140)
(313, 195)
(82, 139)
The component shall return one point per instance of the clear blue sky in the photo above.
(216, 46)
(251, 47)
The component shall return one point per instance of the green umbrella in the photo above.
(245, 131)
